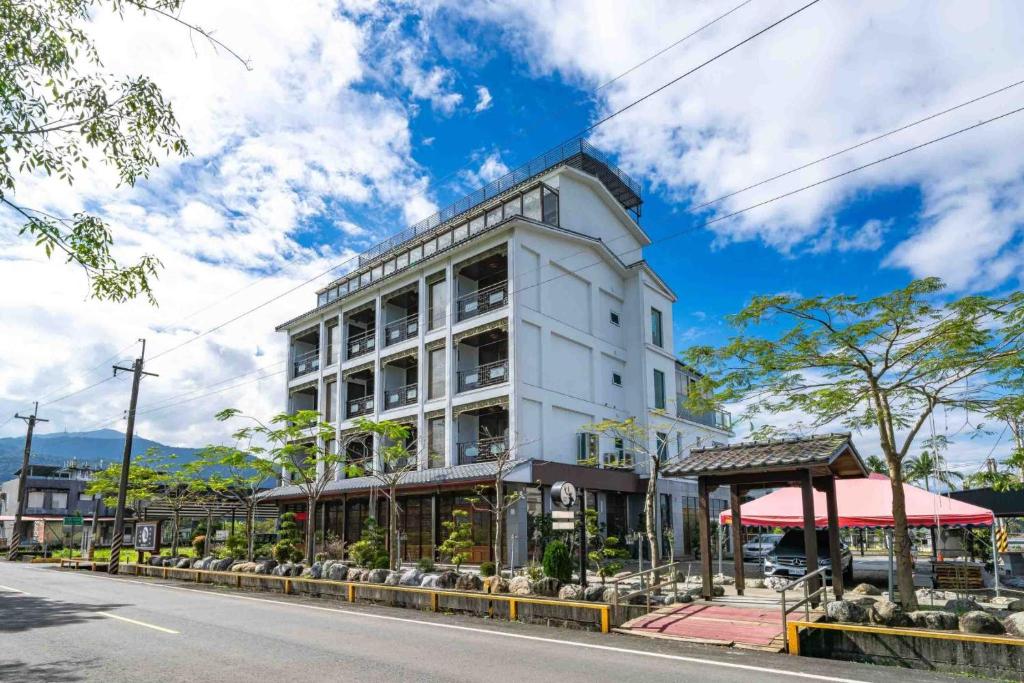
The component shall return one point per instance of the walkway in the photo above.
(750, 626)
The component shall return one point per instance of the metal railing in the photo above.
(360, 406)
(362, 343)
(484, 375)
(482, 300)
(810, 597)
(650, 582)
(719, 419)
(305, 363)
(400, 396)
(481, 450)
(400, 330)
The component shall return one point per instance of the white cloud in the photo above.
(490, 168)
(483, 99)
(868, 237)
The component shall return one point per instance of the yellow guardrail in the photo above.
(94, 565)
(793, 634)
(353, 588)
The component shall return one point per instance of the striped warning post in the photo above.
(1002, 541)
(115, 552)
(12, 549)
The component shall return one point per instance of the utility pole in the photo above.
(15, 546)
(126, 459)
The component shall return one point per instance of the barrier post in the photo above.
(793, 638)
(351, 592)
(433, 601)
(604, 619)
(513, 610)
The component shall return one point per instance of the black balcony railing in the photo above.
(400, 396)
(482, 450)
(305, 363)
(358, 407)
(719, 419)
(362, 343)
(400, 330)
(482, 300)
(484, 375)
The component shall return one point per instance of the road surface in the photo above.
(62, 625)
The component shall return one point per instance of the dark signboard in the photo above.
(147, 536)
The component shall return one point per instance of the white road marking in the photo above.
(139, 623)
(554, 641)
(12, 590)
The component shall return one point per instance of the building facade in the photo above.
(508, 322)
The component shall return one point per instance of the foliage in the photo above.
(286, 551)
(927, 468)
(425, 564)
(288, 528)
(380, 562)
(557, 562)
(199, 543)
(494, 498)
(877, 465)
(334, 547)
(486, 569)
(264, 551)
(367, 551)
(883, 364)
(287, 547)
(605, 553)
(235, 545)
(143, 483)
(460, 538)
(534, 571)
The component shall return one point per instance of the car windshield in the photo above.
(793, 541)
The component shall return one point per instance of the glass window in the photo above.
(436, 440)
(330, 405)
(333, 342)
(444, 240)
(512, 208)
(461, 232)
(364, 279)
(550, 206)
(59, 500)
(436, 371)
(429, 247)
(415, 254)
(378, 272)
(494, 216)
(84, 497)
(35, 499)
(389, 267)
(321, 299)
(659, 390)
(438, 303)
(661, 440)
(402, 261)
(614, 317)
(531, 204)
(656, 331)
(343, 288)
(616, 379)
(477, 224)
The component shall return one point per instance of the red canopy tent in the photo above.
(862, 503)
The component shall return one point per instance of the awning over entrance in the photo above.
(861, 503)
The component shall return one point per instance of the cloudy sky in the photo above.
(359, 118)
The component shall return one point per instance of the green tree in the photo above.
(558, 562)
(460, 538)
(176, 485)
(370, 550)
(297, 445)
(238, 476)
(883, 364)
(496, 499)
(927, 468)
(876, 464)
(287, 547)
(59, 112)
(605, 553)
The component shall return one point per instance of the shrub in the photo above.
(334, 548)
(534, 572)
(371, 546)
(320, 557)
(198, 543)
(285, 551)
(425, 564)
(235, 546)
(486, 569)
(557, 562)
(460, 538)
(264, 551)
(380, 562)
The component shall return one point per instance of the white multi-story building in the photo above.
(510, 320)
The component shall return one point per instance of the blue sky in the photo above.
(361, 117)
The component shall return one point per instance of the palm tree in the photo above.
(877, 465)
(926, 467)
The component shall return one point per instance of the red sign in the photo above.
(301, 516)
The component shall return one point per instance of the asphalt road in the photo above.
(60, 625)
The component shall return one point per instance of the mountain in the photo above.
(105, 445)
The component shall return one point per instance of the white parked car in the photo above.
(758, 547)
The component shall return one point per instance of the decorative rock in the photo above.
(754, 583)
(184, 563)
(866, 589)
(469, 582)
(265, 566)
(394, 578)
(1014, 624)
(378, 575)
(447, 579)
(520, 585)
(222, 565)
(845, 611)
(722, 580)
(317, 570)
(681, 598)
(1008, 603)
(776, 583)
(962, 605)
(495, 584)
(886, 613)
(594, 593)
(980, 622)
(296, 570)
(864, 600)
(411, 577)
(156, 561)
(429, 581)
(548, 586)
(941, 621)
(570, 591)
(609, 595)
(337, 572)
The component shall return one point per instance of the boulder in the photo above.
(866, 589)
(1014, 624)
(962, 605)
(570, 591)
(222, 565)
(1007, 602)
(609, 595)
(593, 593)
(265, 566)
(316, 571)
(938, 620)
(846, 612)
(156, 561)
(865, 601)
(520, 585)
(184, 563)
(887, 613)
(754, 583)
(364, 575)
(429, 581)
(237, 566)
(776, 583)
(447, 579)
(495, 585)
(548, 586)
(393, 579)
(337, 572)
(980, 622)
(680, 598)
(281, 569)
(469, 582)
(378, 576)
(411, 577)
(722, 580)
(698, 591)
(295, 570)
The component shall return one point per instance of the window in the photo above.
(333, 343)
(59, 500)
(438, 303)
(549, 199)
(614, 318)
(512, 208)
(84, 497)
(435, 441)
(494, 216)
(656, 336)
(616, 379)
(36, 499)
(436, 371)
(661, 441)
(330, 404)
(659, 390)
(531, 204)
(477, 224)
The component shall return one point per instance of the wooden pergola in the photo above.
(810, 463)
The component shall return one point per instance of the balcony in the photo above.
(482, 450)
(362, 344)
(482, 300)
(483, 375)
(717, 419)
(305, 363)
(400, 396)
(617, 460)
(400, 330)
(357, 407)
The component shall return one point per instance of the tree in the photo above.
(238, 476)
(396, 460)
(370, 550)
(59, 112)
(883, 364)
(175, 486)
(460, 538)
(1010, 409)
(927, 467)
(877, 465)
(492, 498)
(143, 485)
(604, 552)
(557, 562)
(295, 444)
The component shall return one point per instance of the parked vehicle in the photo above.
(759, 546)
(788, 558)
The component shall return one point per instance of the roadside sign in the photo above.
(72, 521)
(146, 536)
(563, 526)
(563, 514)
